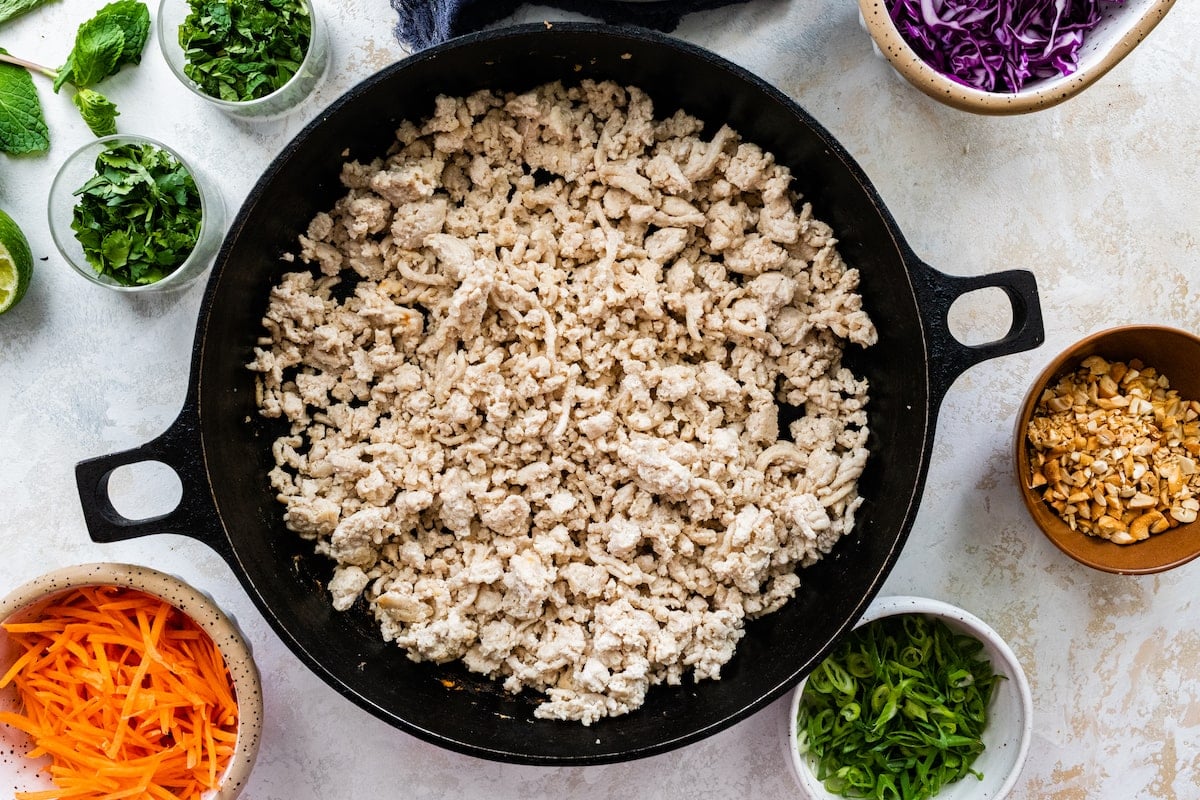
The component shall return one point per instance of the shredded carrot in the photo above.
(126, 694)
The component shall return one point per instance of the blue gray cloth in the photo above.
(428, 22)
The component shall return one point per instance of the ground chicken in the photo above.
(532, 378)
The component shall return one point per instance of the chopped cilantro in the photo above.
(139, 216)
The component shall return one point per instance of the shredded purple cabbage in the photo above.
(997, 45)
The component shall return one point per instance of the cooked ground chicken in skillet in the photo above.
(532, 374)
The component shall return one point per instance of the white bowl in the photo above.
(1010, 715)
(1122, 27)
(25, 603)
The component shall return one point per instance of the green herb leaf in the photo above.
(239, 50)
(134, 19)
(65, 73)
(22, 126)
(97, 111)
(97, 53)
(15, 8)
(115, 249)
(911, 723)
(115, 36)
(138, 218)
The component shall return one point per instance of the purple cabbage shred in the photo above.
(997, 45)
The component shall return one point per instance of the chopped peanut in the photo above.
(1111, 450)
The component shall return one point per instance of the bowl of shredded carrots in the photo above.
(122, 681)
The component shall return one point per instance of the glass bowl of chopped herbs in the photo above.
(921, 699)
(253, 59)
(130, 214)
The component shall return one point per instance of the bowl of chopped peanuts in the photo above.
(1107, 449)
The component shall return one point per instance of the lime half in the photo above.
(16, 263)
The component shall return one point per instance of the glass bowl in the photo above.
(28, 601)
(284, 100)
(80, 166)
(1006, 737)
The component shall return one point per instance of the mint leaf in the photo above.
(15, 8)
(22, 126)
(105, 43)
(115, 36)
(97, 111)
(97, 54)
(134, 19)
(65, 73)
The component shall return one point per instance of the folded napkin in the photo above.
(427, 22)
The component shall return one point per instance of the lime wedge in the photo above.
(16, 263)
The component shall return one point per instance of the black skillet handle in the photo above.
(179, 448)
(948, 357)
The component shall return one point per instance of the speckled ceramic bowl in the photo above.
(1009, 728)
(26, 602)
(1123, 27)
(1175, 354)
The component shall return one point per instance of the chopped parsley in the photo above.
(139, 216)
(241, 50)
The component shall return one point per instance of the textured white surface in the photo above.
(1097, 197)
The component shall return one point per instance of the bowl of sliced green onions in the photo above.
(921, 699)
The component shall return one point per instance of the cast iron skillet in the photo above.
(222, 453)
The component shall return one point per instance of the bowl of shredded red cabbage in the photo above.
(1004, 56)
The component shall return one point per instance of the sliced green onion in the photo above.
(898, 710)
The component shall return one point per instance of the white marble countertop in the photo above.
(1097, 197)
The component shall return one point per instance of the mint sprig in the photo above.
(114, 37)
(105, 43)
